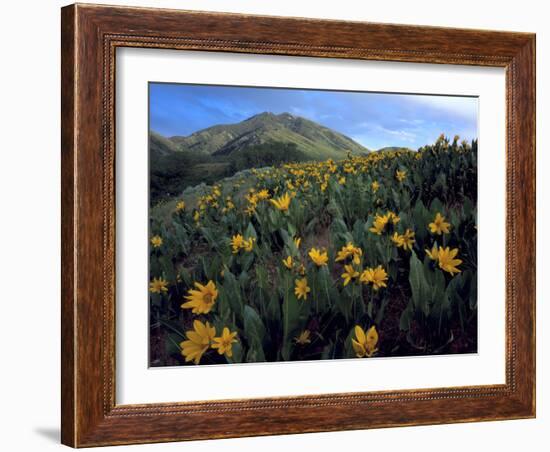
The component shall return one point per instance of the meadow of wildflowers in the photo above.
(371, 256)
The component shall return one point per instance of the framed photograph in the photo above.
(281, 225)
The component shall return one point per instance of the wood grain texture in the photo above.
(67, 225)
(90, 36)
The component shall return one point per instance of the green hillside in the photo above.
(263, 140)
(159, 145)
(316, 141)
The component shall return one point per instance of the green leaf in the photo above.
(325, 289)
(274, 218)
(419, 286)
(274, 309)
(261, 277)
(290, 315)
(381, 310)
(254, 331)
(291, 230)
(232, 292)
(441, 303)
(208, 235)
(436, 206)
(253, 326)
(246, 261)
(237, 354)
(438, 289)
(250, 232)
(167, 267)
(255, 354)
(173, 344)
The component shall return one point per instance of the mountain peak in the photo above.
(313, 139)
(264, 114)
(285, 116)
(267, 115)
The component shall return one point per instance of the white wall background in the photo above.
(29, 246)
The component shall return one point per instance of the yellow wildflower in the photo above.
(393, 217)
(433, 253)
(229, 205)
(297, 241)
(302, 289)
(248, 244)
(348, 251)
(439, 225)
(282, 203)
(319, 258)
(400, 175)
(252, 197)
(202, 300)
(180, 205)
(447, 261)
(303, 338)
(364, 344)
(344, 253)
(156, 241)
(375, 186)
(237, 242)
(349, 274)
(263, 194)
(224, 343)
(198, 341)
(379, 224)
(158, 285)
(377, 276)
(288, 262)
(405, 241)
(357, 256)
(408, 239)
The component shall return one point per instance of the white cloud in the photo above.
(465, 107)
(412, 122)
(400, 134)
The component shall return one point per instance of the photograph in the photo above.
(303, 224)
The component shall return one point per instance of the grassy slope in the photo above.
(317, 141)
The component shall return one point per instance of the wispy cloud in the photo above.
(414, 122)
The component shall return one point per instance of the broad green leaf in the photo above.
(253, 326)
(419, 286)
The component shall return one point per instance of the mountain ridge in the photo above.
(316, 141)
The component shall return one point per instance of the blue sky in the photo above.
(373, 119)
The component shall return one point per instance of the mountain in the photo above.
(220, 151)
(315, 141)
(159, 145)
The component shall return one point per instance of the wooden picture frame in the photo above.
(90, 36)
